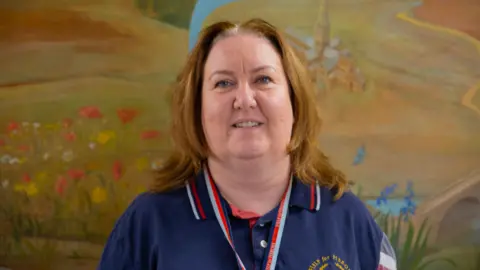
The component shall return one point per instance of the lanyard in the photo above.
(276, 232)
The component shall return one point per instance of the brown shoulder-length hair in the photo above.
(190, 147)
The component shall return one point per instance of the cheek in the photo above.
(213, 113)
(279, 109)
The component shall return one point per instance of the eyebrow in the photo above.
(229, 72)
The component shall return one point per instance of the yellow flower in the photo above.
(41, 176)
(30, 189)
(98, 195)
(55, 126)
(142, 164)
(105, 136)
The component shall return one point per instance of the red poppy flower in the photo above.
(150, 134)
(76, 174)
(67, 122)
(26, 178)
(117, 170)
(90, 112)
(126, 115)
(70, 136)
(61, 185)
(12, 126)
(2, 142)
(23, 148)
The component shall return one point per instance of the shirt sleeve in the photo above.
(130, 245)
(388, 260)
(117, 251)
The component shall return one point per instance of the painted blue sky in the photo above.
(201, 11)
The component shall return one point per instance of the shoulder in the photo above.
(151, 209)
(348, 206)
(149, 203)
(354, 218)
(137, 233)
(351, 213)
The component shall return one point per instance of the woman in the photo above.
(246, 186)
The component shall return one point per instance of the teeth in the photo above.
(247, 124)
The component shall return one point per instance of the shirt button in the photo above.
(263, 243)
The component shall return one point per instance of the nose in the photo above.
(244, 97)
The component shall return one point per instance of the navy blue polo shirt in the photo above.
(178, 230)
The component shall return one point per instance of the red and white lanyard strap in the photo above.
(276, 232)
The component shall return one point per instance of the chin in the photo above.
(248, 152)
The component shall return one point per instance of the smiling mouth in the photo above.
(248, 124)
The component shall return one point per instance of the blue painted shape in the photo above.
(202, 9)
(360, 156)
(417, 3)
(392, 206)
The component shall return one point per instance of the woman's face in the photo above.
(246, 108)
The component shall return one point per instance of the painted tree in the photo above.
(321, 30)
(321, 34)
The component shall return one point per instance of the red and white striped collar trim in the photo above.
(305, 196)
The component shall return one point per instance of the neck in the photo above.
(251, 186)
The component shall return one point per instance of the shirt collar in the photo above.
(305, 196)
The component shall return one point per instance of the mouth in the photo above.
(247, 124)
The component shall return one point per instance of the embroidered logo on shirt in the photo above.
(329, 262)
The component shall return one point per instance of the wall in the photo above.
(83, 114)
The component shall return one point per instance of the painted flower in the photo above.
(150, 134)
(53, 126)
(15, 160)
(41, 176)
(61, 185)
(2, 142)
(70, 136)
(30, 189)
(5, 183)
(126, 115)
(67, 122)
(24, 148)
(385, 193)
(76, 174)
(117, 170)
(92, 145)
(13, 126)
(67, 156)
(98, 195)
(90, 112)
(156, 164)
(26, 178)
(141, 163)
(105, 136)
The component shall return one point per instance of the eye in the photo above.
(223, 84)
(264, 80)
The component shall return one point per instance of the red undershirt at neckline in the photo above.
(252, 217)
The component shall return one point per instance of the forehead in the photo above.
(240, 51)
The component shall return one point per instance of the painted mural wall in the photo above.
(83, 113)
